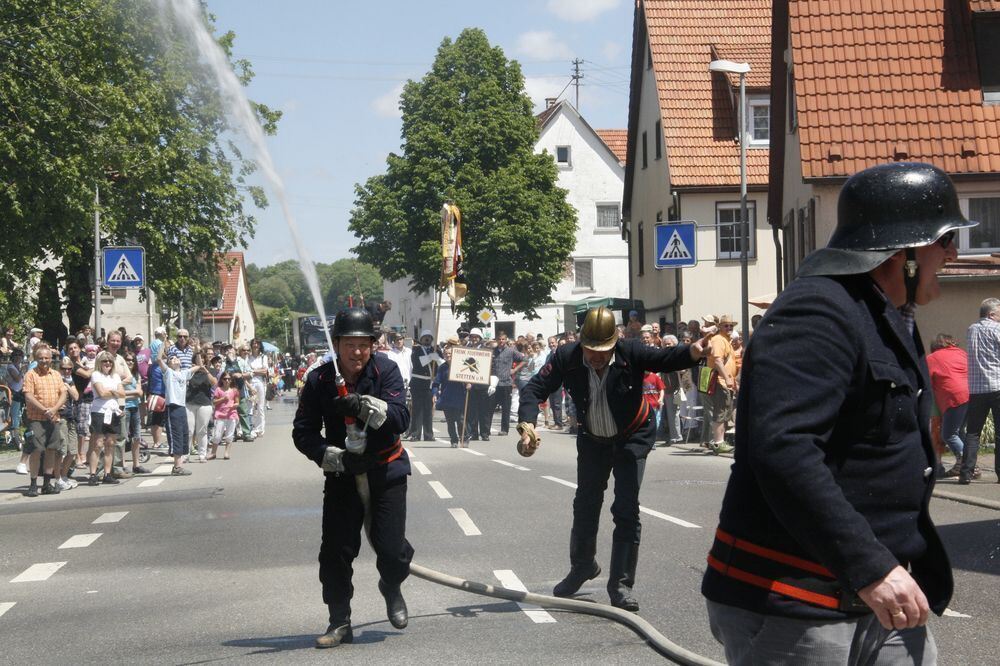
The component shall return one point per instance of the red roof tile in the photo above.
(616, 140)
(698, 115)
(909, 74)
(232, 268)
(985, 5)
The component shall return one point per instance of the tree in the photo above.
(342, 278)
(274, 291)
(274, 325)
(468, 138)
(282, 284)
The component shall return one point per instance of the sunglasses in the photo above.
(946, 240)
(182, 336)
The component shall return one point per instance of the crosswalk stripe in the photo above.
(149, 483)
(38, 572)
(112, 517)
(6, 606)
(163, 469)
(80, 540)
(422, 468)
(462, 518)
(439, 488)
(409, 452)
(510, 580)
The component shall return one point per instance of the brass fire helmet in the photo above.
(599, 331)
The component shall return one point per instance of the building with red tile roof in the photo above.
(861, 84)
(683, 152)
(234, 319)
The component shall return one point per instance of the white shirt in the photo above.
(108, 383)
(257, 363)
(175, 382)
(600, 422)
(403, 359)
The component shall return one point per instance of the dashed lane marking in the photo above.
(510, 464)
(38, 572)
(947, 613)
(81, 540)
(163, 469)
(510, 580)
(422, 468)
(149, 483)
(462, 518)
(112, 517)
(409, 452)
(472, 451)
(6, 606)
(670, 519)
(439, 488)
(568, 484)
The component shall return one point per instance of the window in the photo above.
(727, 227)
(658, 141)
(758, 120)
(986, 236)
(645, 161)
(607, 216)
(986, 27)
(563, 157)
(641, 250)
(583, 271)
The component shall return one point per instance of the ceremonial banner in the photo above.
(470, 366)
(452, 273)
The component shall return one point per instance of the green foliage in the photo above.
(105, 94)
(283, 285)
(468, 138)
(49, 315)
(273, 325)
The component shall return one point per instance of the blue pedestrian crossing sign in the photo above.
(124, 267)
(675, 244)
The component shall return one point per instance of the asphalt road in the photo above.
(221, 566)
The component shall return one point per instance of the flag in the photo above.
(452, 269)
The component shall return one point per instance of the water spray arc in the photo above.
(188, 14)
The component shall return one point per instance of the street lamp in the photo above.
(287, 322)
(741, 68)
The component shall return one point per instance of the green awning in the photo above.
(607, 302)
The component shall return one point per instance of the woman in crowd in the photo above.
(199, 405)
(105, 416)
(669, 421)
(133, 396)
(451, 400)
(156, 420)
(81, 380)
(948, 366)
(260, 367)
(67, 421)
(225, 400)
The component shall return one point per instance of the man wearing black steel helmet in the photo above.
(377, 401)
(824, 531)
(617, 429)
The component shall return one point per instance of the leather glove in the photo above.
(347, 405)
(494, 380)
(333, 459)
(372, 412)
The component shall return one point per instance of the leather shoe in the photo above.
(335, 635)
(395, 605)
(573, 581)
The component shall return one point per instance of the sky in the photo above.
(335, 68)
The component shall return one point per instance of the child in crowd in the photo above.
(226, 400)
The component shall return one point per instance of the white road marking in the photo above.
(669, 519)
(112, 517)
(422, 468)
(38, 572)
(80, 540)
(439, 488)
(473, 452)
(148, 483)
(947, 613)
(443, 441)
(6, 606)
(510, 580)
(569, 484)
(163, 469)
(510, 464)
(462, 518)
(409, 452)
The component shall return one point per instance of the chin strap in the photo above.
(911, 275)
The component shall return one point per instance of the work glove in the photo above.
(494, 380)
(347, 405)
(372, 411)
(333, 459)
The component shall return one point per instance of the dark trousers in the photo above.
(980, 404)
(555, 404)
(501, 398)
(343, 522)
(178, 436)
(480, 414)
(422, 416)
(595, 462)
(453, 417)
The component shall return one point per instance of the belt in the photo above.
(640, 417)
(781, 573)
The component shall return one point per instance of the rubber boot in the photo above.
(624, 557)
(395, 605)
(339, 630)
(583, 566)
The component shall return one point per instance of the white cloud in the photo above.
(387, 105)
(541, 87)
(611, 50)
(543, 45)
(581, 10)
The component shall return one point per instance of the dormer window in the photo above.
(986, 27)
(758, 120)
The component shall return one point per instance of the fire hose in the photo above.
(356, 441)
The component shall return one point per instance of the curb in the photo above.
(966, 499)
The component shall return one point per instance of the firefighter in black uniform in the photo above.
(617, 429)
(377, 400)
(424, 367)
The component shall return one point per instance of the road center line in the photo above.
(473, 452)
(80, 540)
(439, 488)
(6, 606)
(510, 580)
(510, 464)
(422, 468)
(148, 483)
(669, 519)
(38, 572)
(462, 518)
(112, 517)
(569, 484)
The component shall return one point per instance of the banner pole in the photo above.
(465, 412)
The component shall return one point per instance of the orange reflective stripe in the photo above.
(395, 452)
(639, 417)
(775, 586)
(769, 554)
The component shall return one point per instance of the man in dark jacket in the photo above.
(603, 377)
(424, 359)
(824, 530)
(366, 457)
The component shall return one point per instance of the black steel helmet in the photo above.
(352, 322)
(885, 209)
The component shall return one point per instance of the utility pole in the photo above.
(576, 80)
(98, 277)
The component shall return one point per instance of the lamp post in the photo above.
(286, 322)
(741, 68)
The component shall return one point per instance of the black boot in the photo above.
(395, 605)
(339, 630)
(583, 566)
(624, 557)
